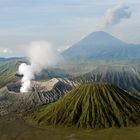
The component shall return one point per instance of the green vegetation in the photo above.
(90, 106)
(16, 129)
(8, 68)
(122, 73)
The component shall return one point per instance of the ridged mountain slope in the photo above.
(90, 106)
(125, 77)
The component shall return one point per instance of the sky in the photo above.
(61, 22)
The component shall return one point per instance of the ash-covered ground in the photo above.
(42, 92)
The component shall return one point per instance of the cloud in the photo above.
(41, 55)
(63, 48)
(114, 16)
(5, 51)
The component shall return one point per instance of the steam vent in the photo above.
(90, 106)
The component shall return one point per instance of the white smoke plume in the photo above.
(115, 15)
(41, 55)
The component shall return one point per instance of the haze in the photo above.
(61, 22)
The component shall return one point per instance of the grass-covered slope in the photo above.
(90, 106)
(8, 69)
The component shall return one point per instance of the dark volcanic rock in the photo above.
(15, 87)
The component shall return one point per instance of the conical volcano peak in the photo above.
(98, 45)
(99, 33)
(102, 38)
(91, 106)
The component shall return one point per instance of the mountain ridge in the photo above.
(101, 45)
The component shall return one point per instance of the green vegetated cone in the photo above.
(94, 105)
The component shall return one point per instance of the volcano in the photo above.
(101, 45)
(90, 106)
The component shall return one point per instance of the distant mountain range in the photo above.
(102, 45)
(124, 74)
(126, 77)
